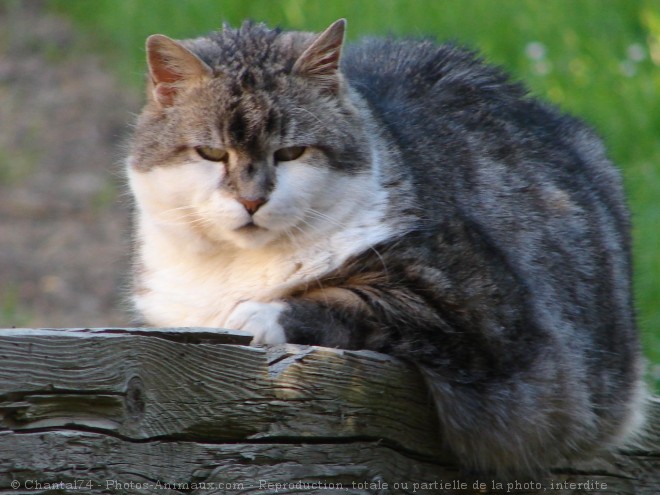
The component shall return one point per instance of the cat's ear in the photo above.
(321, 59)
(171, 68)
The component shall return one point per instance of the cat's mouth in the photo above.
(249, 227)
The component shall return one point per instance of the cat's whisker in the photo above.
(313, 227)
(328, 218)
(292, 238)
(181, 214)
(179, 208)
(193, 219)
(296, 240)
(310, 227)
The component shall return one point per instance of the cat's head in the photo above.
(248, 135)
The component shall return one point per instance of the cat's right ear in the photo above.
(171, 68)
(320, 61)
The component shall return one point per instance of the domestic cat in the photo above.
(400, 196)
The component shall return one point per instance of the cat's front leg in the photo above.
(259, 319)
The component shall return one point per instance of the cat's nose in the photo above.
(251, 205)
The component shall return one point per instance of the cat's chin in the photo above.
(251, 236)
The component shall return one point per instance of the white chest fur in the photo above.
(181, 287)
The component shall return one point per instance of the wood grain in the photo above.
(185, 406)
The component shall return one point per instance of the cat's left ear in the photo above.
(171, 68)
(321, 59)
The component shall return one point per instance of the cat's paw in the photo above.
(259, 319)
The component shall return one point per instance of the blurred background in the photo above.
(71, 74)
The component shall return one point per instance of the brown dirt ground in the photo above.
(64, 214)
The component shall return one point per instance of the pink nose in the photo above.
(251, 205)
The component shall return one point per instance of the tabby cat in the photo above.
(400, 196)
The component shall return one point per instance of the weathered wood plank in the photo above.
(151, 411)
(231, 468)
(142, 387)
(107, 463)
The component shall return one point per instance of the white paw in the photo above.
(259, 319)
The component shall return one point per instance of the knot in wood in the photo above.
(135, 401)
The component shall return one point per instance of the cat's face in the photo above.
(282, 199)
(241, 146)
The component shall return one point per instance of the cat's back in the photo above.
(403, 76)
(534, 185)
(462, 123)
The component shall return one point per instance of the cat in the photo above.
(401, 196)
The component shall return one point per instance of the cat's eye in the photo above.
(212, 154)
(288, 154)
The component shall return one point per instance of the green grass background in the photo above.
(599, 59)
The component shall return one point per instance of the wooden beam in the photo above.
(173, 409)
